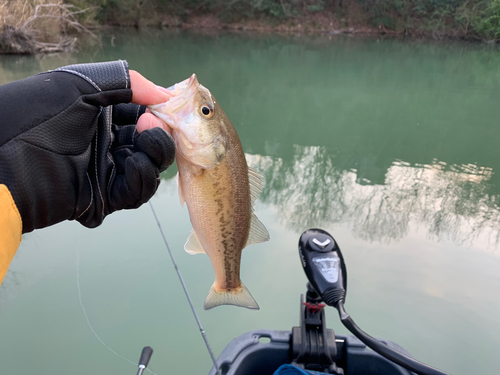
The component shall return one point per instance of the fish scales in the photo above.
(220, 228)
(217, 186)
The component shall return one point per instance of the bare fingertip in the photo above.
(150, 121)
(143, 123)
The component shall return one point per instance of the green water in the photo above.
(391, 146)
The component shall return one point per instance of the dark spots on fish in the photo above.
(220, 206)
(220, 155)
(219, 148)
(228, 235)
(224, 222)
(217, 193)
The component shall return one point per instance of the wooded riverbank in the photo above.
(31, 26)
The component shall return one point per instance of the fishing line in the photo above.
(87, 317)
(188, 296)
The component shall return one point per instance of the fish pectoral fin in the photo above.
(179, 188)
(193, 245)
(241, 297)
(258, 232)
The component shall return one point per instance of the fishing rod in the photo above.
(146, 354)
(186, 292)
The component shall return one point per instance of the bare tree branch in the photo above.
(67, 16)
(41, 29)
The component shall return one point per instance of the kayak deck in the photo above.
(263, 351)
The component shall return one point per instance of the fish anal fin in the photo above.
(179, 188)
(193, 245)
(258, 232)
(237, 297)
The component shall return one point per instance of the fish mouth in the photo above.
(180, 105)
(180, 114)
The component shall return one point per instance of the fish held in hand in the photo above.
(217, 185)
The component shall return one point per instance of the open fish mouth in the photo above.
(180, 107)
(182, 114)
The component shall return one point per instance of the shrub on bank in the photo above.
(39, 26)
(478, 19)
(462, 18)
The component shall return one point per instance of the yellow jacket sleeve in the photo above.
(11, 228)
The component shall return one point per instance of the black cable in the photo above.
(382, 349)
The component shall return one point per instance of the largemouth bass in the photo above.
(217, 185)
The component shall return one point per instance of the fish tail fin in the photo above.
(237, 297)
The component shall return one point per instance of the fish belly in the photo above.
(220, 210)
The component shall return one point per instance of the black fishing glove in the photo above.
(69, 148)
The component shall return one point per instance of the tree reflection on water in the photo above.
(314, 189)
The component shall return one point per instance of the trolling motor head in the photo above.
(324, 265)
(313, 344)
(325, 268)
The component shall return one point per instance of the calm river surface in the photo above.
(391, 146)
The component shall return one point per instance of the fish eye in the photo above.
(206, 111)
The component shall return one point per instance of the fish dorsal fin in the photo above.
(258, 232)
(255, 180)
(193, 245)
(179, 188)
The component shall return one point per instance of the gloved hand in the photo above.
(69, 148)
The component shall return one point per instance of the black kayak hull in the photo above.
(263, 351)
